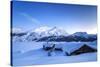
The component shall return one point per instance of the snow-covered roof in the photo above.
(72, 46)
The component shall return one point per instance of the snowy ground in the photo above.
(31, 53)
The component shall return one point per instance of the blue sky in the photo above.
(72, 18)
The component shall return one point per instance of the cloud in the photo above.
(30, 18)
(17, 30)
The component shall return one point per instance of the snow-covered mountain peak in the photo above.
(57, 31)
(50, 31)
(42, 29)
(80, 33)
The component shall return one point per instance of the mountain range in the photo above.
(51, 34)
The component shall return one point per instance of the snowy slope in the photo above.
(43, 59)
(31, 53)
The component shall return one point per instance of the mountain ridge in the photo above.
(55, 34)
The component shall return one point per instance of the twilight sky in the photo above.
(72, 18)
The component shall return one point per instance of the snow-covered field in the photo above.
(31, 53)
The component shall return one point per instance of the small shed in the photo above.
(83, 49)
